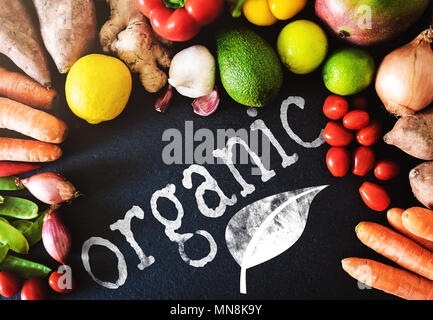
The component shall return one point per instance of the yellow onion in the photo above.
(404, 80)
(50, 188)
(55, 236)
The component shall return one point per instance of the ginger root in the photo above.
(129, 35)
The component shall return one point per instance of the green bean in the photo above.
(21, 225)
(13, 238)
(24, 268)
(4, 248)
(2, 199)
(34, 233)
(8, 184)
(18, 208)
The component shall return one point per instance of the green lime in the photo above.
(302, 46)
(348, 71)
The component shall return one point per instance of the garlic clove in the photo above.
(206, 105)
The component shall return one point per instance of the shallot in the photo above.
(50, 188)
(55, 236)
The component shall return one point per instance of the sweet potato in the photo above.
(414, 135)
(68, 28)
(20, 42)
(421, 181)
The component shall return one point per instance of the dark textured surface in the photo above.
(118, 164)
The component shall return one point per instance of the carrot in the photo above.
(28, 150)
(25, 90)
(419, 221)
(10, 169)
(31, 122)
(396, 247)
(392, 280)
(394, 218)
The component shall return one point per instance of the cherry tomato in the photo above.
(335, 107)
(336, 135)
(338, 161)
(9, 284)
(359, 102)
(363, 160)
(58, 284)
(370, 134)
(33, 289)
(374, 196)
(386, 170)
(356, 120)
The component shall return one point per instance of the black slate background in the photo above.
(118, 164)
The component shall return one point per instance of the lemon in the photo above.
(302, 46)
(98, 88)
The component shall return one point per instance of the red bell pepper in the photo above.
(180, 20)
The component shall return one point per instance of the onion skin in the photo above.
(404, 80)
(55, 237)
(50, 188)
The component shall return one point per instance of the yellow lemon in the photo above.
(98, 88)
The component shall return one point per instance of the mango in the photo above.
(366, 22)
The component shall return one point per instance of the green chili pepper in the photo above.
(13, 238)
(21, 225)
(9, 184)
(24, 268)
(4, 248)
(33, 234)
(18, 208)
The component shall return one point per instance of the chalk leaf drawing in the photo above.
(268, 227)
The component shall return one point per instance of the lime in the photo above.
(302, 46)
(348, 71)
(98, 88)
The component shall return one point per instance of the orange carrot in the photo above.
(419, 221)
(396, 247)
(31, 122)
(392, 280)
(394, 218)
(28, 150)
(25, 90)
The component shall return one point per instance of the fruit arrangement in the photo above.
(142, 37)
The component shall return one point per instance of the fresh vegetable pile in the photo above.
(139, 38)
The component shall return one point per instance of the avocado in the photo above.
(250, 69)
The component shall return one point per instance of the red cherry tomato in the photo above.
(9, 284)
(335, 107)
(374, 196)
(356, 120)
(370, 134)
(359, 102)
(363, 161)
(386, 170)
(336, 135)
(338, 161)
(33, 289)
(58, 285)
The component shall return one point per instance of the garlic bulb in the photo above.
(192, 72)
